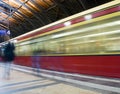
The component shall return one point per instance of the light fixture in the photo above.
(88, 17)
(67, 23)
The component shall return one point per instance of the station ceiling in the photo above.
(21, 16)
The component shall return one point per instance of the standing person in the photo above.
(36, 62)
(8, 58)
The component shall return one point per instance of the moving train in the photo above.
(84, 43)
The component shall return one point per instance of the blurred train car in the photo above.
(85, 43)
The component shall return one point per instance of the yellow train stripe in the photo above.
(75, 25)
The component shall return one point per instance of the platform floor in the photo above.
(26, 83)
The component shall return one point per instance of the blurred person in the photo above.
(1, 47)
(8, 58)
(36, 62)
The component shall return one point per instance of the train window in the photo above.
(99, 35)
(88, 38)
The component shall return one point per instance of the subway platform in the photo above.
(24, 80)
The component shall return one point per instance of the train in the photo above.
(85, 43)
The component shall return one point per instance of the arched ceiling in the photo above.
(21, 16)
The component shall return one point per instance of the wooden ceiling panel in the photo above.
(32, 6)
(32, 14)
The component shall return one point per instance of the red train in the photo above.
(85, 43)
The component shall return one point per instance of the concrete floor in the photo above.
(24, 83)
